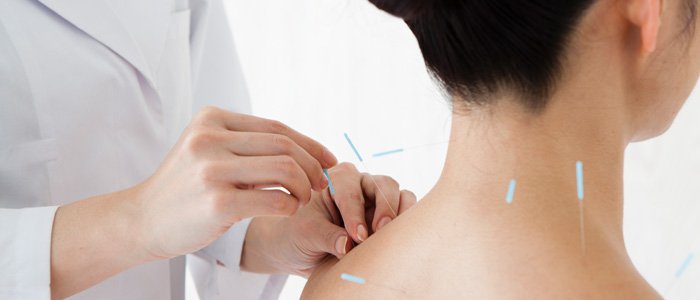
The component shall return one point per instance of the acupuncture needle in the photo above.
(579, 184)
(398, 150)
(511, 191)
(368, 171)
(360, 280)
(330, 184)
(679, 272)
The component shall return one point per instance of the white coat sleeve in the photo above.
(25, 252)
(217, 282)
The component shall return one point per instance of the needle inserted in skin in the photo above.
(355, 279)
(370, 176)
(579, 183)
(380, 190)
(511, 191)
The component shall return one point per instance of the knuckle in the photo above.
(276, 126)
(330, 237)
(282, 143)
(317, 166)
(346, 167)
(306, 193)
(207, 113)
(287, 166)
(199, 138)
(280, 203)
(387, 181)
(409, 194)
(408, 199)
(354, 195)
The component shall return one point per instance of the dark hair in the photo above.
(478, 48)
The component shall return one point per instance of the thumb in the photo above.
(334, 240)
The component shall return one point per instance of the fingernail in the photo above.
(340, 245)
(383, 222)
(361, 232)
(329, 157)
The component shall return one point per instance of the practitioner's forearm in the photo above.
(93, 240)
(198, 192)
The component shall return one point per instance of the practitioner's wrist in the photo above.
(132, 221)
(259, 247)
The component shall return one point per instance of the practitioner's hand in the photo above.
(213, 177)
(327, 226)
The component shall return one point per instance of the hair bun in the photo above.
(405, 9)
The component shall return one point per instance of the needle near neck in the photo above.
(490, 147)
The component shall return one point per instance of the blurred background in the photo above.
(327, 67)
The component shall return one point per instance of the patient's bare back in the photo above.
(431, 253)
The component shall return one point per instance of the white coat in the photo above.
(93, 93)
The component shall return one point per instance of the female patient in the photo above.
(537, 85)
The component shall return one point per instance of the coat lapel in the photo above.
(134, 30)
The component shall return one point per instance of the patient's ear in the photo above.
(646, 16)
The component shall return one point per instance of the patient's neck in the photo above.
(490, 148)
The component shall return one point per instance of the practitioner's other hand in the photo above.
(217, 174)
(329, 225)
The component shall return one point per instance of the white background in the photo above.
(326, 67)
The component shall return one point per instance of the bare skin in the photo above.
(214, 177)
(464, 241)
(210, 180)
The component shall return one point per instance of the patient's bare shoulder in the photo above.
(387, 261)
(326, 283)
(321, 284)
(416, 257)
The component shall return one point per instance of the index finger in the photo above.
(385, 193)
(350, 200)
(246, 123)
